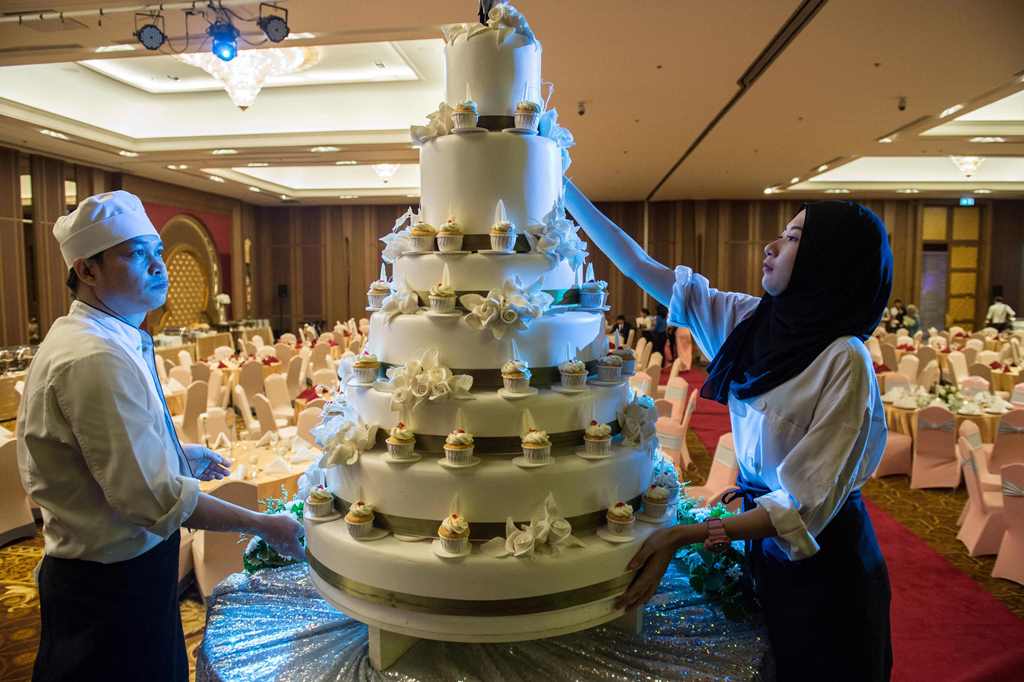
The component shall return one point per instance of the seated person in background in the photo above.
(623, 327)
(645, 325)
(912, 320)
(1000, 316)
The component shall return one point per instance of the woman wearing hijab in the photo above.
(808, 428)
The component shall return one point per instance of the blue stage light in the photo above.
(225, 40)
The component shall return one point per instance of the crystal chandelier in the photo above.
(385, 171)
(244, 76)
(968, 165)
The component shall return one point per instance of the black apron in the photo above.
(828, 615)
(114, 621)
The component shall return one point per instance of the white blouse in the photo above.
(94, 449)
(811, 440)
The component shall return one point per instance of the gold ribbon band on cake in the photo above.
(508, 446)
(443, 606)
(558, 296)
(427, 528)
(490, 379)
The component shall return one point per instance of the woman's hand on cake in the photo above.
(652, 561)
(283, 533)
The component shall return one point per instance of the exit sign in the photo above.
(967, 201)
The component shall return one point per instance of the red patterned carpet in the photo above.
(948, 624)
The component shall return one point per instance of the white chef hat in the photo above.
(99, 222)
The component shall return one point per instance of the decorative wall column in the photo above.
(51, 272)
(14, 299)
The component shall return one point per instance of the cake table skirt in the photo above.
(275, 626)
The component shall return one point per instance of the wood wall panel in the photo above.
(51, 271)
(14, 296)
(1007, 254)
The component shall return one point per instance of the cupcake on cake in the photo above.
(365, 368)
(593, 293)
(516, 376)
(359, 519)
(597, 438)
(319, 502)
(421, 236)
(573, 373)
(536, 447)
(527, 115)
(464, 114)
(377, 292)
(609, 368)
(454, 534)
(449, 237)
(620, 518)
(656, 499)
(400, 442)
(628, 356)
(442, 298)
(458, 447)
(503, 236)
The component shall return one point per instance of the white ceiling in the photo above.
(656, 79)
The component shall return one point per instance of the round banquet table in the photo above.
(274, 625)
(901, 420)
(1005, 381)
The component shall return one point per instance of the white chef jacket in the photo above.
(811, 440)
(1000, 313)
(94, 448)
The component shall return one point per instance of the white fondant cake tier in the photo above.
(496, 73)
(542, 344)
(413, 568)
(488, 414)
(481, 272)
(468, 174)
(495, 489)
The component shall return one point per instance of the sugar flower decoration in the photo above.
(403, 301)
(426, 379)
(512, 306)
(637, 421)
(557, 238)
(439, 123)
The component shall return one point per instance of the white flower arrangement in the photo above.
(503, 18)
(548, 531)
(950, 394)
(426, 379)
(397, 241)
(348, 443)
(556, 238)
(402, 301)
(512, 306)
(549, 128)
(637, 420)
(440, 123)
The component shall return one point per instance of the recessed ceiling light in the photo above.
(770, 190)
(414, 196)
(215, 178)
(950, 111)
(255, 189)
(987, 140)
(793, 181)
(221, 152)
(115, 48)
(177, 166)
(348, 196)
(53, 133)
(346, 162)
(129, 154)
(885, 140)
(285, 197)
(908, 190)
(822, 168)
(983, 191)
(257, 164)
(837, 190)
(300, 36)
(324, 149)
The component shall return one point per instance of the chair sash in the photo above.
(1011, 489)
(675, 393)
(1004, 427)
(935, 426)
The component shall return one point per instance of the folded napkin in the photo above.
(19, 387)
(267, 439)
(222, 441)
(277, 466)
(173, 386)
(303, 452)
(239, 472)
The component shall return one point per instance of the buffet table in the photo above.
(9, 398)
(901, 420)
(274, 625)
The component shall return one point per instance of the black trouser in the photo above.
(1000, 326)
(827, 615)
(115, 621)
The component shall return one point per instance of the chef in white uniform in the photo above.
(98, 452)
(808, 426)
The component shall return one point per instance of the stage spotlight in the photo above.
(224, 37)
(275, 26)
(151, 35)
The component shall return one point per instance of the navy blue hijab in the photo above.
(841, 281)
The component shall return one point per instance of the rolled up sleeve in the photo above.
(822, 470)
(708, 313)
(121, 433)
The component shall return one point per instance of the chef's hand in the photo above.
(283, 533)
(652, 561)
(206, 464)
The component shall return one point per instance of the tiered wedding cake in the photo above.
(483, 443)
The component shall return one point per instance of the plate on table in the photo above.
(508, 395)
(440, 551)
(598, 382)
(406, 460)
(583, 454)
(448, 465)
(321, 519)
(375, 534)
(410, 538)
(568, 390)
(523, 463)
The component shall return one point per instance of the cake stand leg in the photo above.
(632, 621)
(387, 647)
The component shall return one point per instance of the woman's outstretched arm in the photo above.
(628, 256)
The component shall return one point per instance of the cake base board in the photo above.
(475, 629)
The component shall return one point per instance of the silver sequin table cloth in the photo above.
(274, 625)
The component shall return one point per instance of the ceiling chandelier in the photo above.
(385, 171)
(968, 165)
(244, 76)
